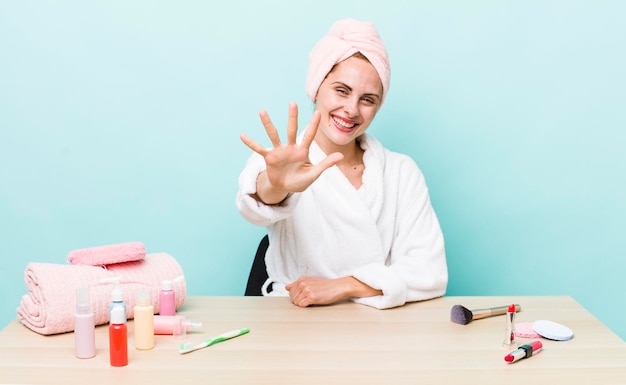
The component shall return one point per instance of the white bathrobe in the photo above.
(385, 234)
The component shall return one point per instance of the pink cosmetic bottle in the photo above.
(167, 299)
(177, 325)
(167, 296)
(84, 326)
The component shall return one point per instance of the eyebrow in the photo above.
(350, 89)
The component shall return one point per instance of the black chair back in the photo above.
(258, 272)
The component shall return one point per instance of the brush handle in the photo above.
(227, 336)
(489, 312)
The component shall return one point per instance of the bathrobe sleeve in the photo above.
(415, 268)
(252, 210)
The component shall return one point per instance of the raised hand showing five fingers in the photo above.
(289, 168)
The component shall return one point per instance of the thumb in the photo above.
(328, 162)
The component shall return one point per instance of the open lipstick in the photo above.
(509, 330)
(524, 351)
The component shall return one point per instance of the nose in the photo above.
(351, 107)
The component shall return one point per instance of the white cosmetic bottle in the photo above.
(84, 326)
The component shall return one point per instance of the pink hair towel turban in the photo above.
(344, 39)
(107, 255)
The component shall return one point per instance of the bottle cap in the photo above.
(192, 326)
(117, 295)
(144, 297)
(166, 284)
(83, 306)
(182, 325)
(117, 315)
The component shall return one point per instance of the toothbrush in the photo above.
(190, 347)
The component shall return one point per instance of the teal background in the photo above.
(120, 121)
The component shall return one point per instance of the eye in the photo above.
(342, 91)
(369, 100)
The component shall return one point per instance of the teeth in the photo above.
(342, 123)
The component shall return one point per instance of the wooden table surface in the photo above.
(339, 344)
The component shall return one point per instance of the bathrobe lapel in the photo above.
(344, 234)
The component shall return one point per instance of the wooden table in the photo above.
(345, 343)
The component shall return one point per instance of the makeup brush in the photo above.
(462, 315)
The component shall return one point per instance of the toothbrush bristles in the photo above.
(188, 347)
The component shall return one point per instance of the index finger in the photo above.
(272, 133)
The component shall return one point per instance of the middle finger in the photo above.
(292, 123)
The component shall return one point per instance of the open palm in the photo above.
(289, 168)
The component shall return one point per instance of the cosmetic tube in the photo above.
(176, 325)
(144, 321)
(509, 329)
(118, 337)
(84, 326)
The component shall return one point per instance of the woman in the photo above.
(346, 218)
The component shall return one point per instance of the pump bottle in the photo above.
(144, 321)
(118, 337)
(117, 296)
(84, 326)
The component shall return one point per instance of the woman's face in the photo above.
(348, 100)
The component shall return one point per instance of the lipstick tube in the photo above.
(509, 329)
(524, 351)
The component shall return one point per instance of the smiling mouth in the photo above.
(343, 125)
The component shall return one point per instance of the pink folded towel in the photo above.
(50, 304)
(109, 254)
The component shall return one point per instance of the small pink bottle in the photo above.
(167, 299)
(177, 325)
(167, 296)
(84, 326)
